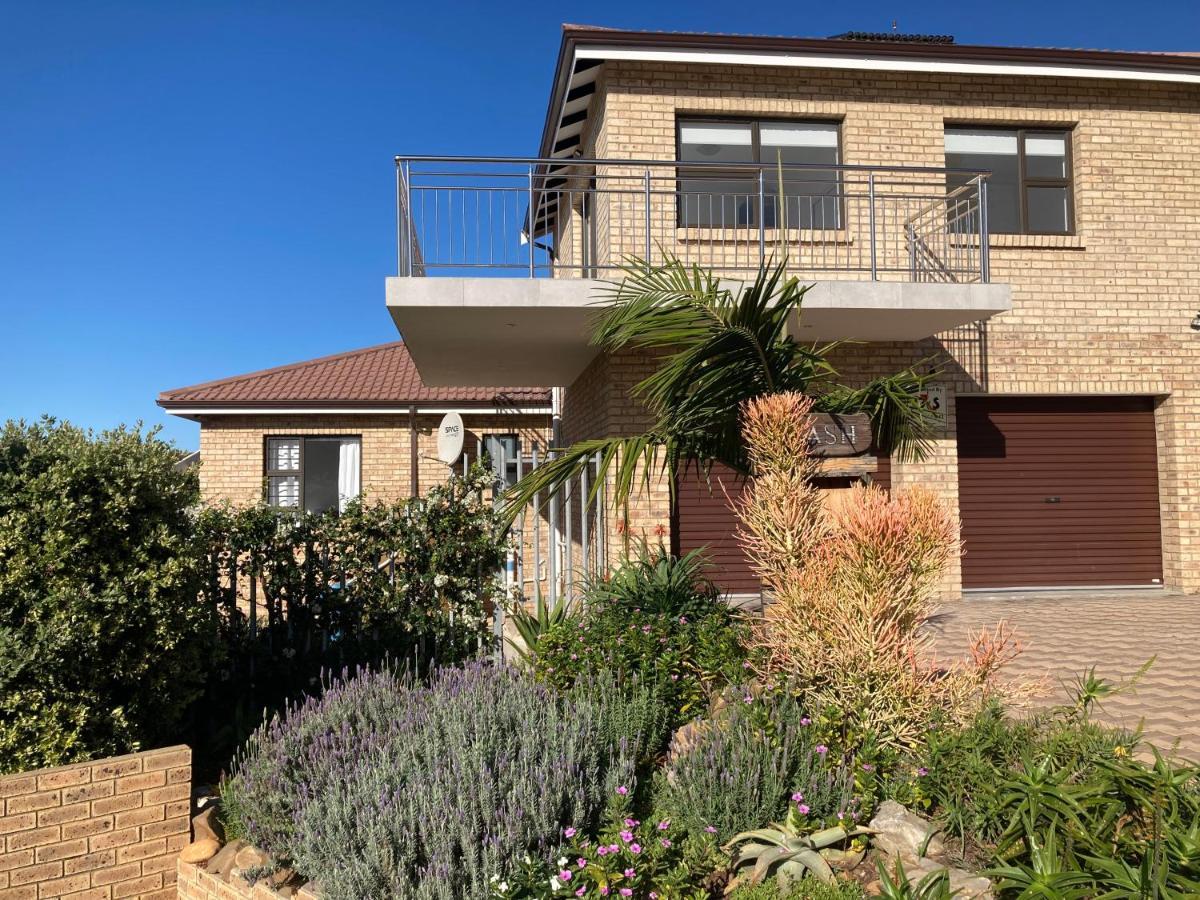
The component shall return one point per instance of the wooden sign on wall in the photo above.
(835, 436)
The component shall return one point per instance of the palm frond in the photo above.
(903, 424)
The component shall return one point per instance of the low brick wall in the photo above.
(100, 830)
(195, 883)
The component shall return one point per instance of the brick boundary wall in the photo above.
(194, 883)
(98, 830)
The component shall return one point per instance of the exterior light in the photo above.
(1196, 322)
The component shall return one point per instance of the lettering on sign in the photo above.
(834, 435)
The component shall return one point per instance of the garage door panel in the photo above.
(1097, 455)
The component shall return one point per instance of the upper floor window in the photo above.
(1029, 190)
(314, 474)
(721, 198)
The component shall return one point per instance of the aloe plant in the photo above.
(934, 886)
(791, 855)
(532, 625)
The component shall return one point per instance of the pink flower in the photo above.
(747, 699)
(821, 749)
(613, 848)
(635, 847)
(569, 832)
(622, 790)
(797, 797)
(632, 823)
(581, 892)
(802, 809)
(710, 829)
(565, 875)
(626, 835)
(664, 824)
(626, 892)
(665, 842)
(604, 891)
(683, 620)
(629, 873)
(581, 862)
(806, 721)
(602, 850)
(922, 772)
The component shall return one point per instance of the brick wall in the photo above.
(231, 449)
(194, 883)
(1105, 310)
(100, 830)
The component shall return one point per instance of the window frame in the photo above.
(508, 461)
(1025, 181)
(755, 122)
(269, 473)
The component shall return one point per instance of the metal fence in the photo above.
(477, 216)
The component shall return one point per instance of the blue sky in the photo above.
(190, 190)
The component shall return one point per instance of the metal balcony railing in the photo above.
(589, 218)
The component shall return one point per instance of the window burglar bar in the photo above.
(582, 218)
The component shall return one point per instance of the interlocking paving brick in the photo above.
(1064, 633)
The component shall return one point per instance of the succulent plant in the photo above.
(791, 854)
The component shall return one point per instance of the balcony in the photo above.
(519, 247)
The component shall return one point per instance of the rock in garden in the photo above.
(250, 858)
(200, 851)
(223, 861)
(206, 825)
(963, 884)
(904, 834)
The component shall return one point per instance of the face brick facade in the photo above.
(1103, 311)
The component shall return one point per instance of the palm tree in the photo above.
(719, 347)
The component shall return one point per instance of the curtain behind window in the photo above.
(349, 484)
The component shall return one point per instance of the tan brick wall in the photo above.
(194, 883)
(1105, 310)
(232, 449)
(99, 830)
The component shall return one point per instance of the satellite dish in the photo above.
(450, 438)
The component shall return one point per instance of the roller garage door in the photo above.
(1058, 491)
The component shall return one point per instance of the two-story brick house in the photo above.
(1023, 219)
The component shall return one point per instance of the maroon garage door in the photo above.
(1058, 491)
(704, 519)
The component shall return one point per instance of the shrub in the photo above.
(743, 768)
(853, 585)
(385, 788)
(101, 637)
(657, 618)
(407, 581)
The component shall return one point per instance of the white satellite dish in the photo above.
(450, 438)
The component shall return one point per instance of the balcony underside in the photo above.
(514, 331)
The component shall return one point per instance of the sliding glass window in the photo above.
(797, 188)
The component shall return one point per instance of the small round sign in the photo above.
(450, 438)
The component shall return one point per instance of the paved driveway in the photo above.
(1067, 632)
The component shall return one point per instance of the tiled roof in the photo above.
(372, 376)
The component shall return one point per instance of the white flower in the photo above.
(562, 861)
(494, 879)
(440, 581)
(555, 884)
(504, 886)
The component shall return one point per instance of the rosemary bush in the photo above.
(384, 788)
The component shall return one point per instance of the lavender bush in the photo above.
(382, 788)
(745, 766)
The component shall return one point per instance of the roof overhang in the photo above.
(484, 331)
(583, 51)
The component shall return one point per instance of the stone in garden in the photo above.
(223, 861)
(206, 825)
(963, 884)
(200, 851)
(904, 834)
(251, 858)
